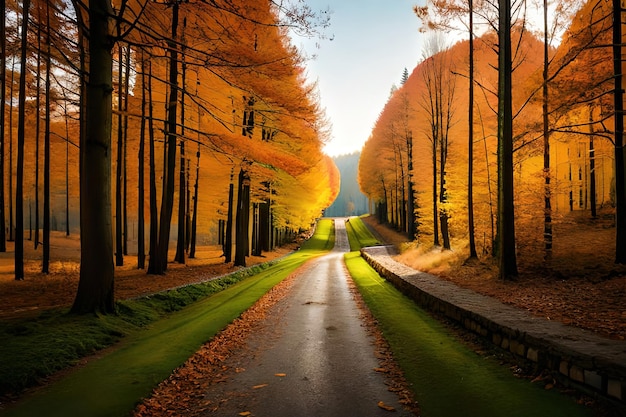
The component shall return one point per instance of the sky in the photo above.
(372, 42)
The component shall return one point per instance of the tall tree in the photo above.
(167, 194)
(141, 238)
(620, 173)
(507, 258)
(96, 285)
(21, 127)
(3, 64)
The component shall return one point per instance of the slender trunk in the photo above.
(154, 218)
(141, 241)
(194, 220)
(620, 180)
(21, 126)
(167, 195)
(45, 263)
(592, 167)
(506, 212)
(67, 172)
(547, 207)
(470, 136)
(119, 218)
(3, 62)
(182, 184)
(37, 126)
(228, 241)
(11, 222)
(435, 197)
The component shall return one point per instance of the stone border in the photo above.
(584, 360)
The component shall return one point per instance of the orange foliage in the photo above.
(379, 168)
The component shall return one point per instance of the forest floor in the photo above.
(582, 286)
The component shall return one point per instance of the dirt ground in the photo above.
(582, 286)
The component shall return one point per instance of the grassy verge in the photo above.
(448, 378)
(157, 340)
(359, 235)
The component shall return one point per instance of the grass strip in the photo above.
(112, 385)
(359, 235)
(447, 377)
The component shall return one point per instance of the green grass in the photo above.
(112, 385)
(448, 378)
(359, 235)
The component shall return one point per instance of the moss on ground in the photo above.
(447, 377)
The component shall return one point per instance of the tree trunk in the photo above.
(154, 218)
(167, 195)
(547, 193)
(470, 138)
(119, 218)
(125, 94)
(620, 179)
(435, 205)
(21, 126)
(228, 241)
(3, 247)
(37, 125)
(243, 218)
(141, 241)
(194, 220)
(96, 284)
(592, 167)
(45, 262)
(507, 258)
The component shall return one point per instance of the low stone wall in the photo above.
(581, 359)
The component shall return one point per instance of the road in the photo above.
(313, 356)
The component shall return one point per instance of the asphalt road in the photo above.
(313, 356)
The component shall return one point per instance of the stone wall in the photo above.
(579, 358)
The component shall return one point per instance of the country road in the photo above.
(313, 357)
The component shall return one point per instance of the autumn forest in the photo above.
(491, 140)
(154, 124)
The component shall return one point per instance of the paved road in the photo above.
(316, 339)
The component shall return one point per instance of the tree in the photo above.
(3, 63)
(620, 168)
(95, 287)
(438, 104)
(507, 258)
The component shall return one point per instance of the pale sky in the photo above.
(372, 42)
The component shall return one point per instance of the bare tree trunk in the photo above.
(154, 218)
(243, 218)
(119, 218)
(620, 180)
(228, 241)
(141, 241)
(21, 126)
(3, 63)
(194, 220)
(167, 195)
(37, 126)
(96, 285)
(547, 196)
(470, 136)
(506, 211)
(592, 167)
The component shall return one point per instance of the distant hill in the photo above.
(350, 201)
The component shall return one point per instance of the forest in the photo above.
(140, 125)
(494, 139)
(350, 201)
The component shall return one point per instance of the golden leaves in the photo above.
(385, 406)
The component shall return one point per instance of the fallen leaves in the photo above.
(385, 406)
(183, 393)
(260, 386)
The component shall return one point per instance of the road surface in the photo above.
(313, 357)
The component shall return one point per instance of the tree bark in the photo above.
(470, 139)
(243, 218)
(21, 126)
(96, 284)
(167, 195)
(3, 247)
(620, 179)
(507, 258)
(228, 241)
(141, 241)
